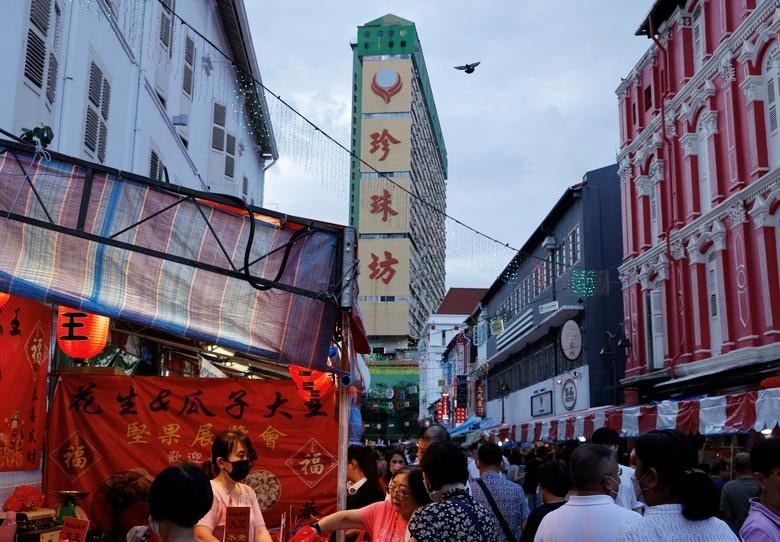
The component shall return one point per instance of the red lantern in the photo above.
(4, 297)
(312, 384)
(81, 335)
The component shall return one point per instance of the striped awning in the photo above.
(733, 413)
(188, 263)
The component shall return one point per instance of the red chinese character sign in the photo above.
(385, 145)
(25, 331)
(382, 204)
(382, 268)
(110, 435)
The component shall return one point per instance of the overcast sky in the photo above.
(538, 113)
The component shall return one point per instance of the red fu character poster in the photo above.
(25, 331)
(110, 435)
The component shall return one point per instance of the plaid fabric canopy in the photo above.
(173, 259)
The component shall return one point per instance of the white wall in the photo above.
(517, 405)
(129, 50)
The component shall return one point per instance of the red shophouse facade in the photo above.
(700, 184)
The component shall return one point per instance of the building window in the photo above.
(654, 327)
(188, 76)
(648, 98)
(98, 104)
(574, 245)
(166, 22)
(772, 78)
(41, 64)
(156, 166)
(714, 305)
(703, 159)
(698, 38)
(653, 213)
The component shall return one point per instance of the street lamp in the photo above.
(504, 389)
(615, 340)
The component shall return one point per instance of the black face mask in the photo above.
(240, 469)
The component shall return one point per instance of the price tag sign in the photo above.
(74, 529)
(236, 524)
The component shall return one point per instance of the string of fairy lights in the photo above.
(300, 140)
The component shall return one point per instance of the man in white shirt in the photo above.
(590, 514)
(471, 463)
(628, 496)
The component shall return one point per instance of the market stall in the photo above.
(195, 272)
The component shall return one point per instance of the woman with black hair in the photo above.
(453, 516)
(178, 498)
(395, 461)
(232, 456)
(682, 501)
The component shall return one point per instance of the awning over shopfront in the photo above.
(188, 263)
(465, 427)
(734, 413)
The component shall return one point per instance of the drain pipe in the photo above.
(671, 205)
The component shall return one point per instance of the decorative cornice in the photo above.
(746, 30)
(728, 72)
(656, 172)
(760, 213)
(708, 123)
(670, 118)
(695, 255)
(767, 187)
(737, 214)
(753, 88)
(690, 144)
(747, 52)
(662, 267)
(677, 249)
(624, 168)
(643, 185)
(646, 150)
(718, 235)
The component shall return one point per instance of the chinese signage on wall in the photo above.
(25, 333)
(156, 422)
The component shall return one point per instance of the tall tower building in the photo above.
(398, 187)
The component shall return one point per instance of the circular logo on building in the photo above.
(386, 84)
(569, 394)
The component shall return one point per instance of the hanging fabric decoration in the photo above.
(312, 385)
(81, 335)
(4, 297)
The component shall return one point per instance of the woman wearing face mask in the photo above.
(682, 501)
(178, 498)
(232, 456)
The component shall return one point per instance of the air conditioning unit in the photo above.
(180, 120)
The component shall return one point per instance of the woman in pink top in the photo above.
(232, 456)
(385, 520)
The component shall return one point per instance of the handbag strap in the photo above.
(499, 516)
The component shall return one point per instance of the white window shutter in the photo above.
(35, 58)
(91, 130)
(154, 164)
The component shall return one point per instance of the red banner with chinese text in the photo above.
(110, 435)
(25, 334)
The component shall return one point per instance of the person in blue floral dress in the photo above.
(453, 516)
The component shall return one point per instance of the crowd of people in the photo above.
(445, 492)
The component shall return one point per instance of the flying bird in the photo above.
(468, 68)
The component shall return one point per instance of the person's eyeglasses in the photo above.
(397, 491)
